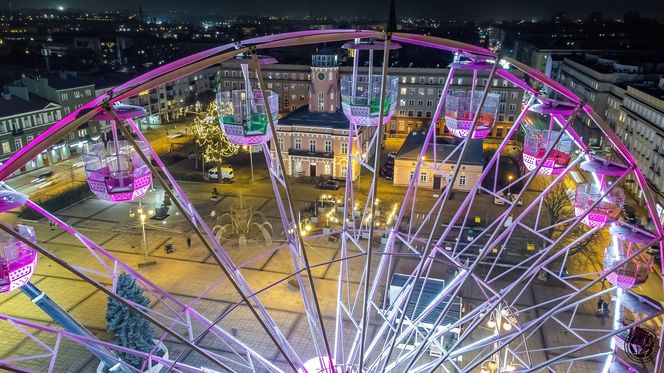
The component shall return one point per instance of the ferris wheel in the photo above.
(428, 284)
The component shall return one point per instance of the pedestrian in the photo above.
(189, 242)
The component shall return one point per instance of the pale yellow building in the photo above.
(437, 177)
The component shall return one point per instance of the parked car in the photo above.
(227, 173)
(499, 201)
(328, 185)
(387, 171)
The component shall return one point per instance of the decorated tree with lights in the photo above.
(211, 138)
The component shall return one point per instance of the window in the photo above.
(402, 113)
(411, 175)
(281, 144)
(321, 101)
(411, 91)
(421, 80)
(462, 180)
(411, 113)
(29, 138)
(423, 177)
(429, 103)
(510, 118)
(328, 146)
(18, 143)
(431, 80)
(331, 95)
(344, 148)
(402, 102)
(403, 91)
(428, 114)
(298, 144)
(412, 80)
(459, 81)
(77, 94)
(312, 145)
(298, 167)
(5, 147)
(64, 96)
(501, 107)
(503, 95)
(420, 102)
(88, 92)
(513, 95)
(512, 107)
(499, 132)
(419, 114)
(411, 102)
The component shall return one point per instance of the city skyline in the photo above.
(377, 9)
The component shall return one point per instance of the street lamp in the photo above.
(142, 215)
(509, 183)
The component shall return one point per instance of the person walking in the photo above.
(189, 242)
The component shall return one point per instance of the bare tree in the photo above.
(558, 205)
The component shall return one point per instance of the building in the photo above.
(600, 81)
(314, 138)
(627, 90)
(643, 134)
(23, 116)
(406, 160)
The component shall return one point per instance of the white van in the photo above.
(499, 201)
(226, 173)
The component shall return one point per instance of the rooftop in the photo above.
(11, 105)
(413, 144)
(303, 117)
(432, 288)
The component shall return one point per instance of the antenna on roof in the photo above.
(391, 19)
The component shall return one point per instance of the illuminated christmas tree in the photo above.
(211, 138)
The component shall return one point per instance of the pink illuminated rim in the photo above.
(195, 62)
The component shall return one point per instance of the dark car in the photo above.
(328, 184)
(387, 171)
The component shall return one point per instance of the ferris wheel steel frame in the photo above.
(366, 352)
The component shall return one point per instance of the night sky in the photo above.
(443, 9)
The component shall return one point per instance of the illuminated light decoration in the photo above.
(209, 136)
(607, 210)
(17, 260)
(360, 99)
(244, 119)
(537, 143)
(460, 109)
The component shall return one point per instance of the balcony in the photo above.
(308, 153)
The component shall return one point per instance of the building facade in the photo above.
(643, 134)
(23, 116)
(437, 176)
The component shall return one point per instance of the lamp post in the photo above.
(251, 158)
(509, 184)
(500, 320)
(142, 215)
